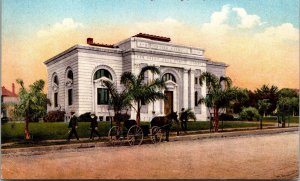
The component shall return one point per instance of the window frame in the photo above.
(70, 97)
(55, 99)
(105, 100)
(168, 76)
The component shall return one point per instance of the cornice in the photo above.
(79, 48)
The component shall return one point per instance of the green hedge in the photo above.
(59, 130)
(294, 119)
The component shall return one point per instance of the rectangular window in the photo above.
(196, 80)
(196, 98)
(55, 99)
(102, 96)
(70, 96)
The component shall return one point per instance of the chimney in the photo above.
(13, 88)
(89, 41)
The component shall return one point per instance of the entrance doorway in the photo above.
(168, 103)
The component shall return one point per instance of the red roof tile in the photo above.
(8, 93)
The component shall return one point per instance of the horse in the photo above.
(165, 123)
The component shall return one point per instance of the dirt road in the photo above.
(261, 156)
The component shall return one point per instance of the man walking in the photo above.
(183, 119)
(94, 126)
(73, 124)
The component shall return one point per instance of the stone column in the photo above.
(204, 109)
(185, 89)
(192, 89)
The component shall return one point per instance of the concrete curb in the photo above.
(41, 149)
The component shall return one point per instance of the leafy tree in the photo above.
(270, 93)
(249, 113)
(263, 106)
(33, 103)
(119, 101)
(250, 102)
(288, 102)
(141, 91)
(220, 94)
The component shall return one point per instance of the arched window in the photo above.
(196, 98)
(69, 89)
(168, 76)
(55, 79)
(70, 74)
(102, 73)
(55, 88)
(102, 93)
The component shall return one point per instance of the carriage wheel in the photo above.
(114, 135)
(135, 135)
(156, 135)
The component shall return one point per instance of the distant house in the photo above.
(8, 98)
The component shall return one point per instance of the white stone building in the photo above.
(75, 75)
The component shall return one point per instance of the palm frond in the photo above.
(128, 79)
(151, 68)
(226, 80)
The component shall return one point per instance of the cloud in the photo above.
(220, 17)
(67, 24)
(246, 20)
(283, 32)
(228, 19)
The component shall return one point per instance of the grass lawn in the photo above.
(59, 130)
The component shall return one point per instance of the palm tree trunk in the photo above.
(138, 114)
(216, 118)
(27, 135)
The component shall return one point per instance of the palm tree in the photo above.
(141, 91)
(263, 106)
(119, 101)
(33, 103)
(270, 93)
(220, 94)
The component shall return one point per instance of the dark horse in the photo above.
(165, 123)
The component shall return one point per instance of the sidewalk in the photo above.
(192, 135)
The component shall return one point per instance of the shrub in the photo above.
(85, 117)
(249, 113)
(55, 116)
(226, 117)
(4, 120)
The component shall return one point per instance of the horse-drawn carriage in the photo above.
(133, 134)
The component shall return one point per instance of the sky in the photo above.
(259, 40)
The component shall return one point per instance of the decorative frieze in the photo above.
(177, 61)
(170, 48)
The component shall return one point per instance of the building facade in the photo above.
(75, 76)
(8, 100)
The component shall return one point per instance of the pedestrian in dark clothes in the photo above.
(94, 126)
(73, 124)
(183, 119)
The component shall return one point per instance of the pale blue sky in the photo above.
(22, 17)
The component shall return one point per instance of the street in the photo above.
(248, 157)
